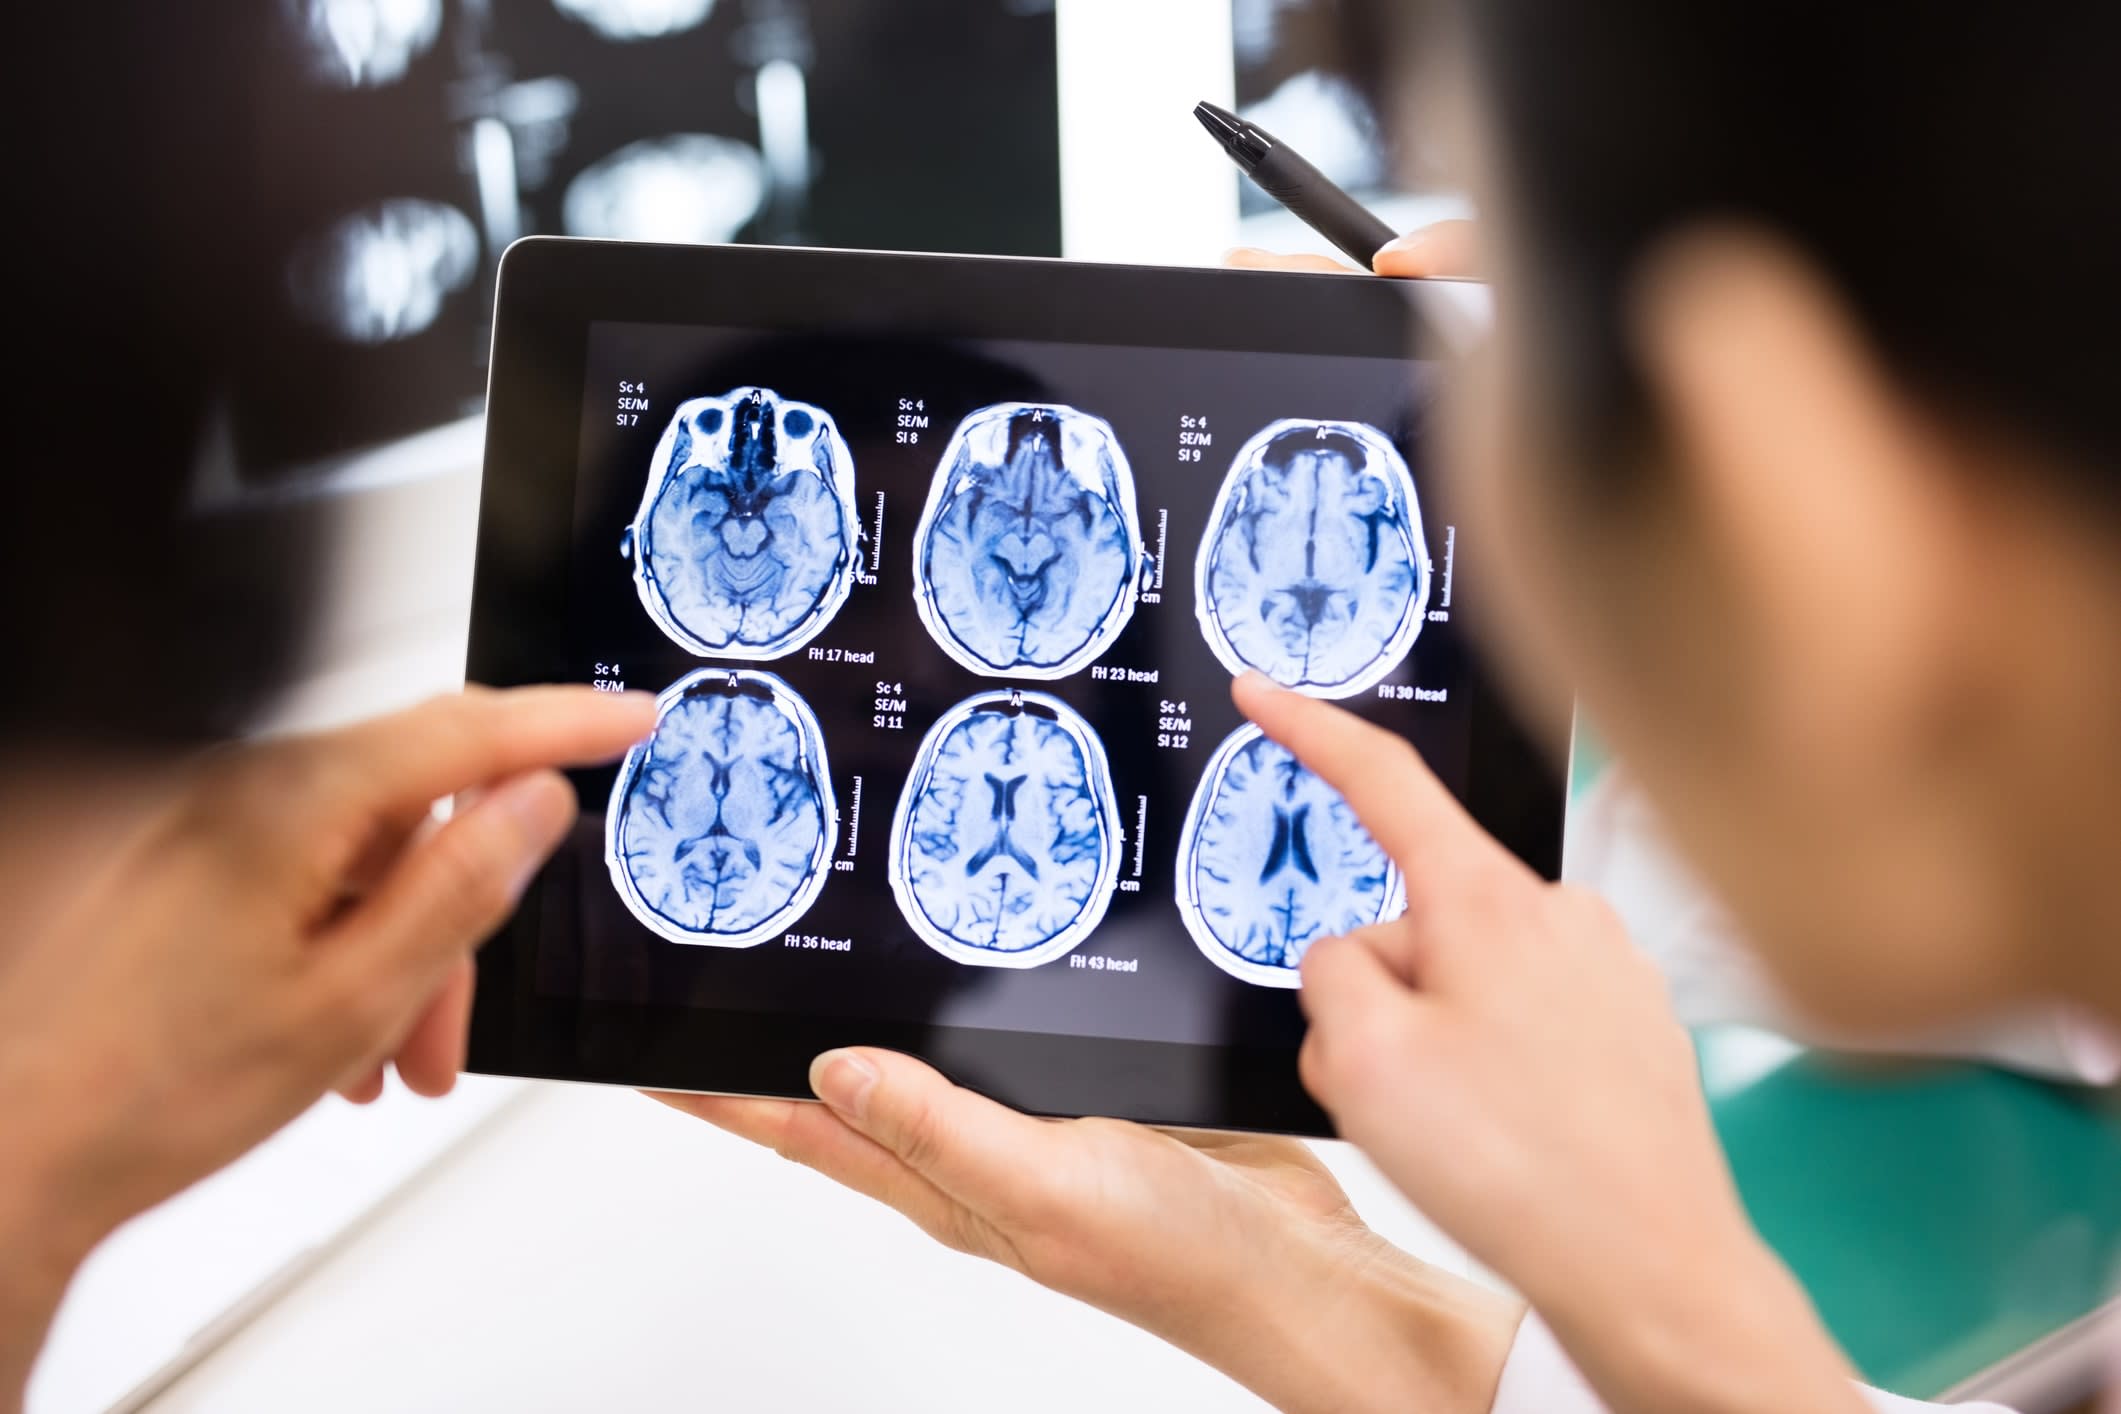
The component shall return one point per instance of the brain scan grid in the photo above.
(721, 825)
(1314, 569)
(1006, 840)
(1271, 860)
(1029, 548)
(746, 542)
(1005, 843)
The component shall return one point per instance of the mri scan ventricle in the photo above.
(721, 825)
(1029, 550)
(1005, 845)
(1314, 569)
(746, 543)
(1272, 859)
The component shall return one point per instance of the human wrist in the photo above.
(1733, 1333)
(1342, 1320)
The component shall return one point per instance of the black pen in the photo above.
(1284, 175)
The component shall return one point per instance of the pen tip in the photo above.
(1245, 143)
(1219, 121)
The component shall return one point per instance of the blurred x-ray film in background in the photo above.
(1288, 82)
(401, 145)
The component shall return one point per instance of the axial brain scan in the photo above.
(721, 825)
(1027, 553)
(1271, 860)
(1005, 845)
(1314, 569)
(746, 541)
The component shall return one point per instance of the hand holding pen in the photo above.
(1444, 249)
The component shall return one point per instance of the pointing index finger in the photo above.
(1391, 789)
(450, 744)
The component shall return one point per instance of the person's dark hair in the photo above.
(1952, 168)
(128, 616)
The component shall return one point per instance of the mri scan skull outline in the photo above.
(1311, 838)
(758, 795)
(750, 494)
(1265, 590)
(1029, 546)
(1065, 825)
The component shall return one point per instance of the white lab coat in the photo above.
(1540, 1380)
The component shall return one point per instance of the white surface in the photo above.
(171, 1281)
(392, 625)
(594, 1251)
(1140, 181)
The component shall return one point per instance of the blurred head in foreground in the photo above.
(1800, 444)
(133, 616)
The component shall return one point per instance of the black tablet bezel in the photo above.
(551, 292)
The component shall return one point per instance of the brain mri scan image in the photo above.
(721, 825)
(1314, 569)
(686, 188)
(363, 43)
(629, 20)
(1005, 844)
(1029, 549)
(1271, 860)
(384, 273)
(746, 542)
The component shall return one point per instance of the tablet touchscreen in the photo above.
(943, 631)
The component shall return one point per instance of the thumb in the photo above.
(1447, 248)
(968, 1146)
(1364, 1021)
(450, 890)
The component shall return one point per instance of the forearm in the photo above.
(1351, 1324)
(1540, 1378)
(1729, 1334)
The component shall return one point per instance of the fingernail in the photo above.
(1253, 680)
(1412, 240)
(843, 1080)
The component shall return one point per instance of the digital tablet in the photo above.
(940, 569)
